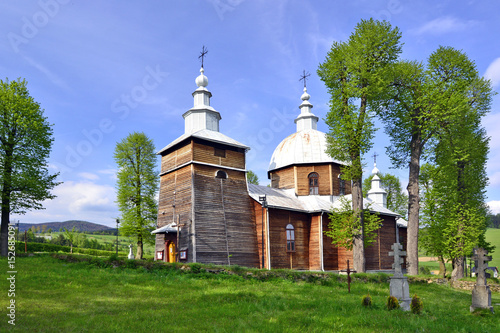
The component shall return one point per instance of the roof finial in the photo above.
(375, 158)
(304, 77)
(203, 52)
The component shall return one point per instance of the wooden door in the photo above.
(171, 252)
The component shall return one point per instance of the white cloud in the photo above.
(494, 206)
(493, 72)
(83, 200)
(445, 25)
(88, 175)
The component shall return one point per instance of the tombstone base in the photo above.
(481, 298)
(400, 289)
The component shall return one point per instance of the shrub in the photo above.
(392, 303)
(424, 270)
(367, 300)
(416, 304)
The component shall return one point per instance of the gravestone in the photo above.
(130, 254)
(399, 287)
(481, 294)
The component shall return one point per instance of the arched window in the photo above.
(341, 185)
(290, 238)
(313, 183)
(221, 174)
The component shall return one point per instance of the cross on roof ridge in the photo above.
(304, 77)
(203, 52)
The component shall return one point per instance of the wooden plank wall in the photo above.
(223, 219)
(377, 254)
(278, 220)
(181, 155)
(257, 211)
(330, 251)
(205, 153)
(283, 178)
(178, 181)
(303, 172)
(314, 243)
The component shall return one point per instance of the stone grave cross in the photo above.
(397, 253)
(399, 287)
(481, 294)
(480, 255)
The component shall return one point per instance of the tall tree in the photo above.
(25, 142)
(397, 200)
(252, 178)
(420, 101)
(353, 72)
(137, 187)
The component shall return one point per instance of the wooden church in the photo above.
(208, 213)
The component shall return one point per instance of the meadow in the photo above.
(83, 294)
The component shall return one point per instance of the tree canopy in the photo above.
(25, 143)
(354, 71)
(137, 187)
(252, 178)
(397, 199)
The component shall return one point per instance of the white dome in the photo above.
(307, 146)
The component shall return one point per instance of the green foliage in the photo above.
(416, 304)
(137, 187)
(344, 225)
(367, 300)
(54, 248)
(397, 199)
(26, 141)
(392, 303)
(424, 270)
(252, 178)
(353, 72)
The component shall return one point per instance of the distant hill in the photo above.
(81, 226)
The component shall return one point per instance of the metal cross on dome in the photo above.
(375, 157)
(304, 77)
(203, 52)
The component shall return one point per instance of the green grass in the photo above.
(59, 296)
(493, 236)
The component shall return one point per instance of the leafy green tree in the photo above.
(354, 71)
(397, 200)
(344, 224)
(494, 221)
(252, 178)
(25, 142)
(71, 236)
(417, 106)
(137, 187)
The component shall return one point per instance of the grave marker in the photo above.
(481, 294)
(399, 287)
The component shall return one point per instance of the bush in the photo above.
(392, 303)
(367, 300)
(416, 304)
(53, 248)
(424, 270)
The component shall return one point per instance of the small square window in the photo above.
(219, 152)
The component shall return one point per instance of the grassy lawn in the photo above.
(493, 236)
(58, 296)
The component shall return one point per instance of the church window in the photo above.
(219, 152)
(290, 238)
(341, 185)
(221, 174)
(313, 183)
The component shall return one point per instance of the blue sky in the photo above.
(102, 70)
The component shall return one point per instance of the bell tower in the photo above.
(204, 206)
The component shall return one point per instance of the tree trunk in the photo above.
(6, 192)
(442, 267)
(358, 249)
(413, 204)
(139, 250)
(458, 269)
